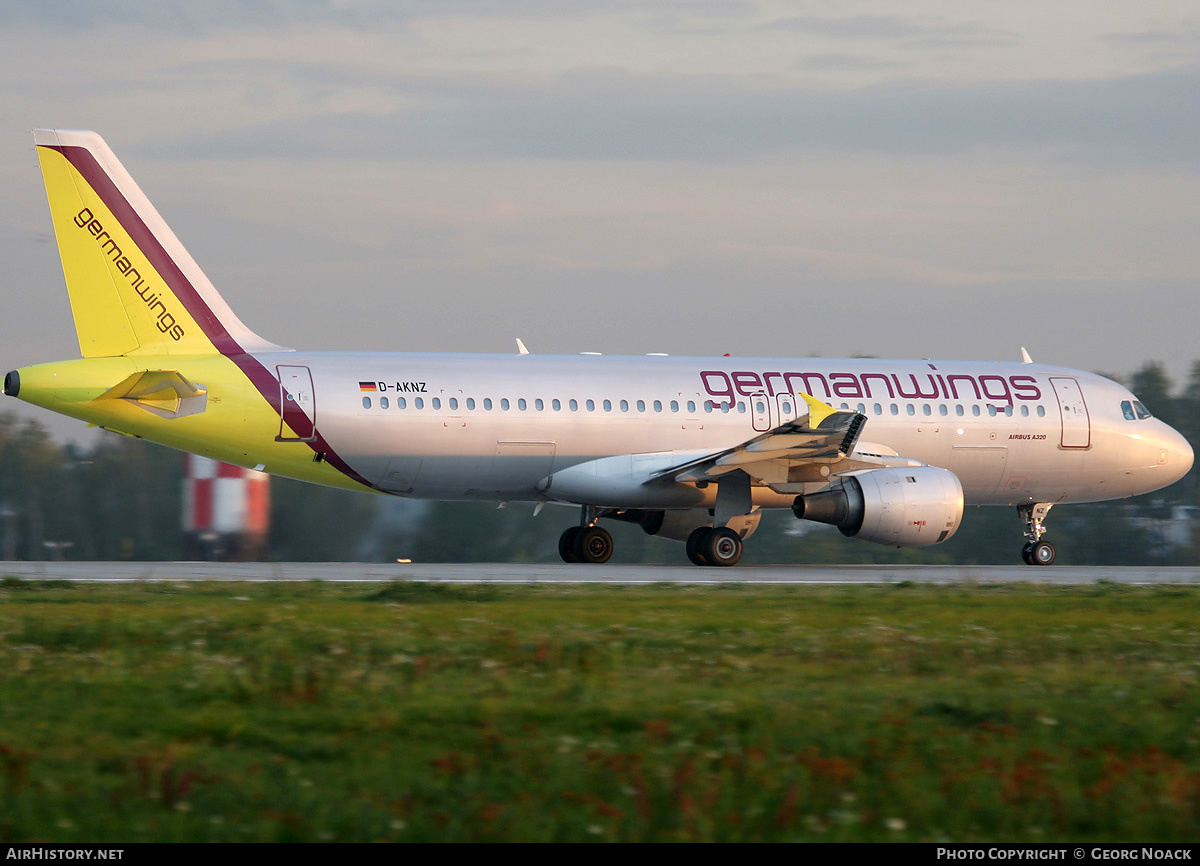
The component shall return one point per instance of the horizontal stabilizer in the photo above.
(165, 393)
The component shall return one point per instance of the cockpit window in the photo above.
(1134, 411)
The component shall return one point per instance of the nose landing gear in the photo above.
(1036, 551)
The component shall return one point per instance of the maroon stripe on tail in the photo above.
(97, 178)
(268, 386)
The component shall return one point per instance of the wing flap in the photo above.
(823, 435)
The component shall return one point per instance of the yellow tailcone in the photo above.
(202, 403)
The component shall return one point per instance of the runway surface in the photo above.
(517, 573)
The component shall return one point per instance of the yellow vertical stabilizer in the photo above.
(133, 287)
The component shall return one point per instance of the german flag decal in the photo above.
(367, 386)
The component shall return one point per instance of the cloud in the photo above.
(607, 114)
(188, 17)
(916, 32)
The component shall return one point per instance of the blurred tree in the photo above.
(30, 485)
(318, 524)
(122, 500)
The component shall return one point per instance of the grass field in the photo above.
(428, 712)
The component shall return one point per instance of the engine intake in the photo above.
(906, 507)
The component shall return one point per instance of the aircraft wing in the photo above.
(786, 454)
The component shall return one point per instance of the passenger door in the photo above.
(297, 405)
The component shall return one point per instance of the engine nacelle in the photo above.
(680, 523)
(906, 507)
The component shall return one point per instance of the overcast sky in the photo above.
(919, 179)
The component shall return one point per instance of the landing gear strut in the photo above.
(1036, 551)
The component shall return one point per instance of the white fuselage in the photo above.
(458, 426)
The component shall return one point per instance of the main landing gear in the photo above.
(719, 546)
(585, 544)
(705, 546)
(1036, 551)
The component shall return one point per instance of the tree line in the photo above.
(121, 498)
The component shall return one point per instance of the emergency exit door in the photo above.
(297, 405)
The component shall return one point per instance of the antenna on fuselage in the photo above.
(521, 347)
(1025, 359)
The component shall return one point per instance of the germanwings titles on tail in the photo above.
(689, 448)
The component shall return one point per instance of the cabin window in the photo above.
(1008, 410)
(419, 402)
(453, 402)
(521, 404)
(471, 403)
(591, 405)
(911, 409)
(555, 404)
(991, 410)
(624, 405)
(862, 409)
(691, 404)
(1024, 411)
(975, 411)
(658, 405)
(538, 404)
(943, 409)
(927, 409)
(503, 404)
(787, 408)
(383, 402)
(487, 403)
(895, 409)
(959, 411)
(574, 405)
(608, 405)
(401, 403)
(366, 402)
(1041, 411)
(436, 402)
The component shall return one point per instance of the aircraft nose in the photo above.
(1186, 456)
(1176, 454)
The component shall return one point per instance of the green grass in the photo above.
(427, 712)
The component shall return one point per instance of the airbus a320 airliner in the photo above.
(689, 448)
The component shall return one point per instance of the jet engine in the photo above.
(906, 507)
